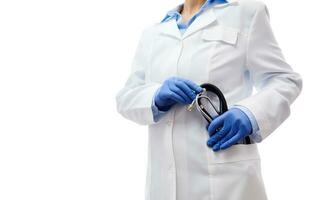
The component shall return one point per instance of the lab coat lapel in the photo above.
(170, 28)
(207, 18)
(229, 2)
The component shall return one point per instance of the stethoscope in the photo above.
(209, 114)
(206, 107)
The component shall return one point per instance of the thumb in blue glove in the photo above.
(228, 129)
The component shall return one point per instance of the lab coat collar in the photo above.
(229, 2)
(206, 18)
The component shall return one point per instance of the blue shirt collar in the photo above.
(175, 13)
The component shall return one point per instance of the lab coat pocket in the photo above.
(236, 153)
(226, 57)
(238, 168)
(221, 33)
(237, 180)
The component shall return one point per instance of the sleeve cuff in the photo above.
(255, 136)
(157, 114)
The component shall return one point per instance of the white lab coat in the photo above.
(233, 47)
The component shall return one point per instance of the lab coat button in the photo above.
(169, 122)
(171, 168)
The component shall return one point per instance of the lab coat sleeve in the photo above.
(255, 136)
(276, 83)
(134, 100)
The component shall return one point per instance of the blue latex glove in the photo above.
(228, 129)
(176, 90)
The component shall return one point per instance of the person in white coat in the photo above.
(226, 43)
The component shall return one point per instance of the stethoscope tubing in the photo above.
(222, 104)
(222, 101)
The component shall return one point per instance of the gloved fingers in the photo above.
(228, 136)
(188, 91)
(215, 124)
(175, 97)
(192, 88)
(232, 141)
(192, 85)
(179, 92)
(218, 136)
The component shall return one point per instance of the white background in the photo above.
(62, 63)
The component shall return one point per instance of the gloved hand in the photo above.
(176, 90)
(228, 128)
